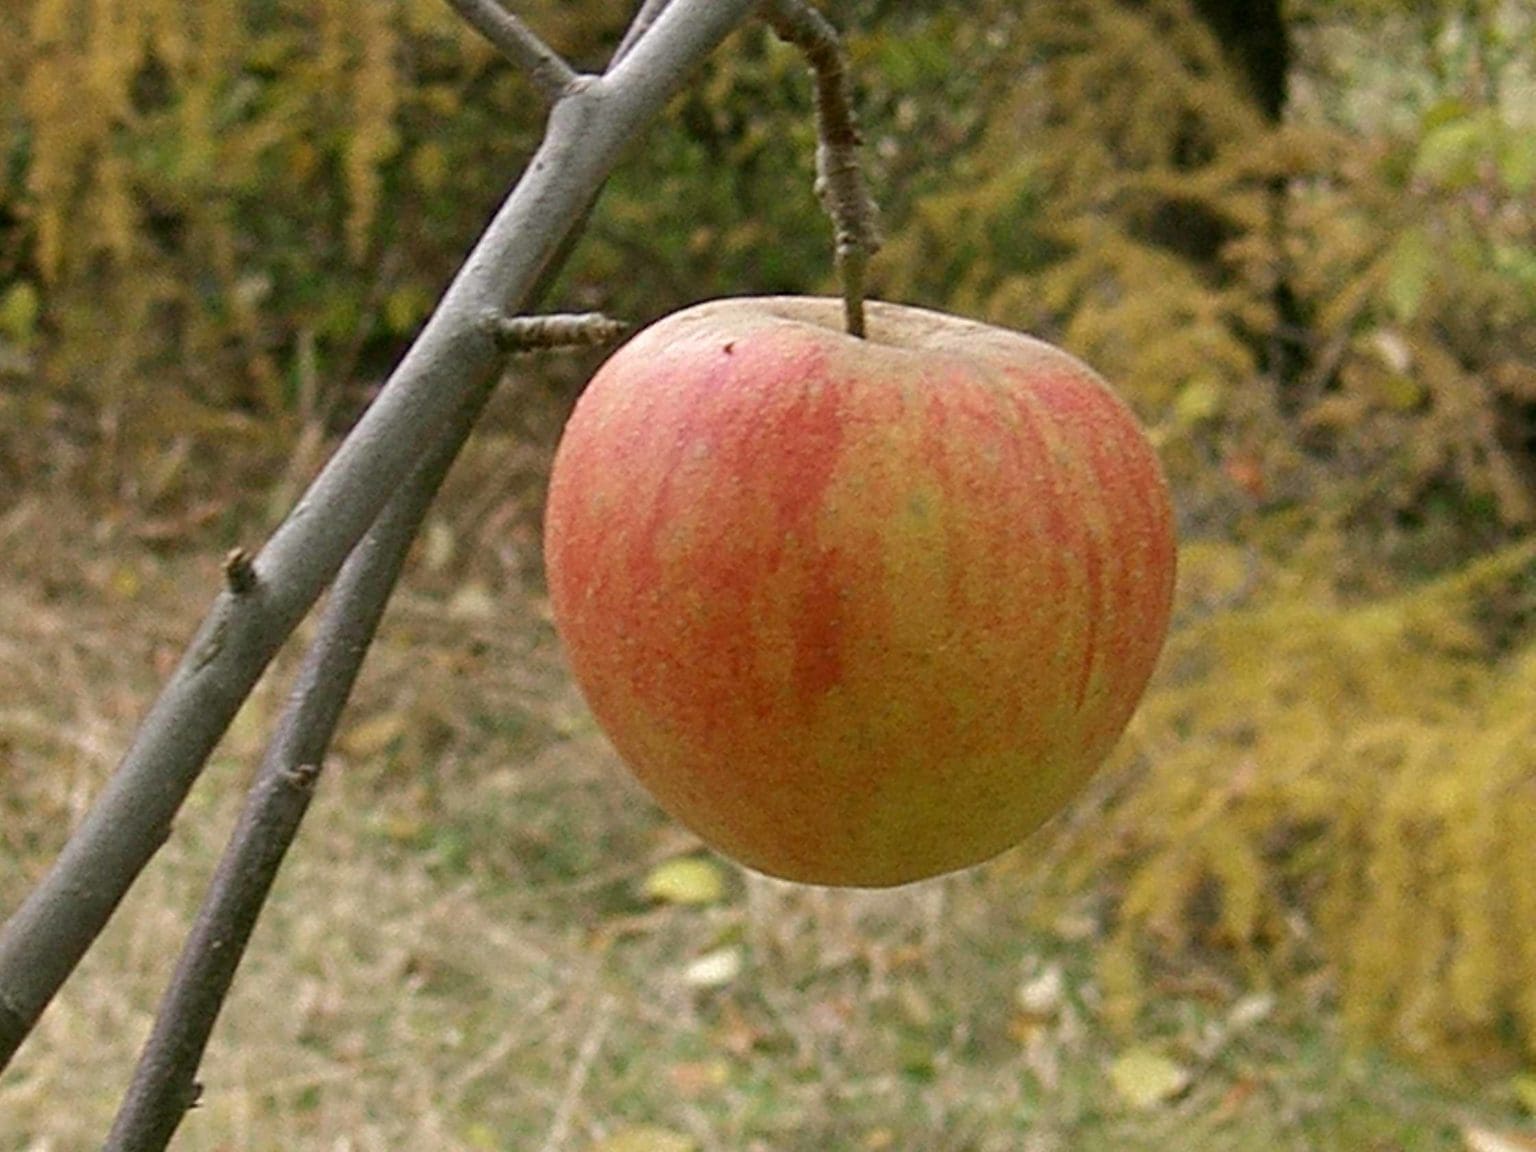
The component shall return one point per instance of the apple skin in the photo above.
(858, 612)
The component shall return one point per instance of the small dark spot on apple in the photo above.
(730, 347)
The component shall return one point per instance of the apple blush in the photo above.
(857, 611)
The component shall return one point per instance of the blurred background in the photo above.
(1299, 908)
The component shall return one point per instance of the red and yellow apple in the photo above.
(856, 611)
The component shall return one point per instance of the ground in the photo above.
(462, 952)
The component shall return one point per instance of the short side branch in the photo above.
(555, 332)
(240, 572)
(551, 75)
(645, 16)
(839, 177)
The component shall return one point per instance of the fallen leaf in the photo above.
(438, 545)
(1145, 1078)
(368, 738)
(1250, 1010)
(482, 1136)
(1077, 925)
(403, 828)
(1487, 1140)
(1524, 1087)
(1040, 997)
(19, 310)
(1202, 399)
(124, 583)
(646, 1138)
(685, 880)
(714, 969)
(473, 602)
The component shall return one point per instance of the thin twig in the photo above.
(553, 332)
(549, 73)
(590, 128)
(576, 1079)
(645, 16)
(164, 1085)
(839, 176)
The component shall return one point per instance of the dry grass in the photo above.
(459, 956)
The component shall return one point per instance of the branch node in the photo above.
(300, 777)
(557, 332)
(240, 572)
(840, 182)
(510, 36)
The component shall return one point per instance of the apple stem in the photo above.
(839, 176)
(851, 265)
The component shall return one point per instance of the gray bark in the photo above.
(592, 123)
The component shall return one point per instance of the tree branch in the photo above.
(645, 16)
(518, 334)
(839, 178)
(454, 357)
(507, 33)
(164, 1085)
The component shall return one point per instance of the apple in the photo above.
(856, 611)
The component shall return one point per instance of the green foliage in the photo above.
(720, 200)
(277, 192)
(210, 202)
(1417, 260)
(1117, 201)
(1127, 200)
(223, 219)
(1352, 782)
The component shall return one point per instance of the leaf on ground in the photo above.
(368, 738)
(438, 545)
(1487, 1140)
(19, 310)
(685, 880)
(1250, 1010)
(1145, 1078)
(1203, 398)
(482, 1136)
(1524, 1087)
(646, 1138)
(1041, 996)
(473, 603)
(714, 969)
